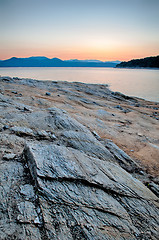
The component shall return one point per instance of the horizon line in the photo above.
(80, 59)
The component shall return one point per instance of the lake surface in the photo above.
(142, 83)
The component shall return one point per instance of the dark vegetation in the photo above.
(148, 62)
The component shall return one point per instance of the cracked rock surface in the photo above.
(61, 181)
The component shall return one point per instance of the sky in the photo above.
(79, 29)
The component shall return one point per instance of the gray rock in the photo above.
(102, 112)
(48, 94)
(1, 126)
(5, 127)
(53, 137)
(75, 188)
(42, 134)
(11, 144)
(27, 213)
(96, 135)
(121, 157)
(27, 109)
(6, 79)
(119, 107)
(59, 162)
(89, 198)
(63, 121)
(28, 191)
(122, 97)
(154, 187)
(20, 131)
(86, 142)
(87, 101)
(12, 206)
(9, 156)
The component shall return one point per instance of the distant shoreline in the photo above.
(148, 68)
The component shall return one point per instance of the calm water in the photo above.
(142, 83)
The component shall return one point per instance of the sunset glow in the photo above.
(104, 30)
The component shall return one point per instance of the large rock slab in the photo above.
(83, 197)
(15, 212)
(86, 142)
(59, 162)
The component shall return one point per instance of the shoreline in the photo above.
(77, 160)
(131, 122)
(135, 83)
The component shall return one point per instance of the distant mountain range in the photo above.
(54, 62)
(148, 62)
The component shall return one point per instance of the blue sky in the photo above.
(104, 30)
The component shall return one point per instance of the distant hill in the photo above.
(148, 62)
(53, 62)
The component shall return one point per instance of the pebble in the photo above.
(139, 134)
(137, 105)
(96, 134)
(27, 109)
(48, 94)
(6, 127)
(119, 107)
(37, 221)
(53, 137)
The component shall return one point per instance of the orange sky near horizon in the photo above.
(108, 31)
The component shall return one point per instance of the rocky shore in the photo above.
(77, 161)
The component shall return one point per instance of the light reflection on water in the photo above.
(142, 83)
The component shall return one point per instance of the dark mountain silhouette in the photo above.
(148, 62)
(53, 62)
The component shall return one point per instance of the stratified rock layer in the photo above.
(60, 181)
(100, 197)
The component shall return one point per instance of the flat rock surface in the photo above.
(78, 163)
